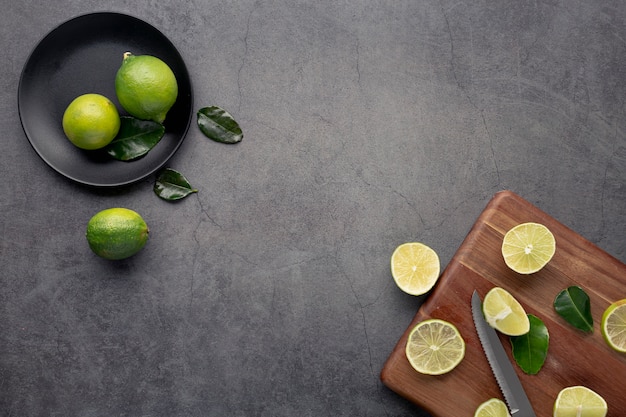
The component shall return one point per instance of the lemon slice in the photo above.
(493, 407)
(614, 325)
(415, 268)
(435, 347)
(579, 401)
(504, 313)
(528, 247)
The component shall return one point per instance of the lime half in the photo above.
(415, 268)
(579, 401)
(614, 326)
(528, 247)
(493, 407)
(504, 313)
(435, 347)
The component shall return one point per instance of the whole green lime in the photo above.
(146, 87)
(91, 121)
(117, 233)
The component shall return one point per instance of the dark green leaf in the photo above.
(530, 350)
(574, 306)
(172, 185)
(219, 125)
(135, 138)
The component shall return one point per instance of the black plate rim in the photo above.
(78, 179)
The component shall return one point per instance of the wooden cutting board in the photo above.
(574, 357)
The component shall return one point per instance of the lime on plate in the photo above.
(504, 313)
(493, 407)
(415, 268)
(435, 347)
(579, 401)
(528, 247)
(613, 325)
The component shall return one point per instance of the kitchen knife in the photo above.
(507, 379)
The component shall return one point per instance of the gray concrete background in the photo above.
(367, 124)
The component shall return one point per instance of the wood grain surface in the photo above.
(574, 357)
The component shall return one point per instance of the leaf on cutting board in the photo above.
(135, 138)
(172, 185)
(531, 349)
(218, 125)
(574, 306)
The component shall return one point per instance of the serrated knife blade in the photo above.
(501, 366)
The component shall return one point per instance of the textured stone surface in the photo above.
(367, 124)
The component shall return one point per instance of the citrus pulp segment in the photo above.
(415, 267)
(504, 313)
(493, 407)
(579, 401)
(528, 247)
(614, 326)
(434, 347)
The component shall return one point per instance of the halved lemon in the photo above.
(493, 407)
(528, 247)
(415, 268)
(504, 313)
(614, 325)
(435, 347)
(579, 401)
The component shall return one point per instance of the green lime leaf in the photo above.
(530, 350)
(574, 306)
(219, 125)
(135, 138)
(172, 185)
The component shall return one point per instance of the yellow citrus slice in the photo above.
(435, 347)
(493, 407)
(579, 401)
(504, 313)
(415, 268)
(614, 325)
(528, 247)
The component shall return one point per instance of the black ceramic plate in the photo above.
(82, 56)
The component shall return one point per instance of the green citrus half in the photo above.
(91, 121)
(614, 326)
(434, 347)
(146, 87)
(117, 233)
(415, 267)
(493, 407)
(528, 247)
(504, 313)
(579, 401)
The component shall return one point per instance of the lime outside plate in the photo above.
(435, 347)
(82, 56)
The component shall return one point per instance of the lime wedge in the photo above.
(415, 268)
(504, 313)
(528, 247)
(435, 347)
(579, 401)
(614, 325)
(493, 407)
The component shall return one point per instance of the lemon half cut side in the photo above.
(493, 407)
(613, 326)
(504, 313)
(434, 347)
(579, 401)
(528, 247)
(415, 267)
